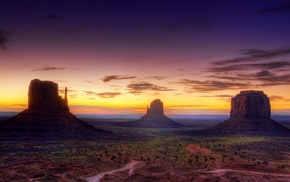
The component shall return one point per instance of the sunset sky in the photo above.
(116, 56)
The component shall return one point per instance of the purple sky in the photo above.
(194, 55)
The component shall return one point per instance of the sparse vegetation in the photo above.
(76, 160)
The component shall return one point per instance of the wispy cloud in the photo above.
(259, 74)
(158, 77)
(104, 95)
(73, 95)
(48, 68)
(275, 80)
(243, 67)
(90, 93)
(108, 94)
(278, 98)
(140, 87)
(93, 82)
(212, 85)
(61, 81)
(254, 55)
(263, 73)
(117, 77)
(276, 9)
(254, 73)
(4, 39)
(50, 17)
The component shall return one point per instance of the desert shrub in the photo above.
(113, 157)
(265, 162)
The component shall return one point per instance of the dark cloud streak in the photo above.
(4, 39)
(243, 67)
(117, 77)
(140, 87)
(277, 9)
(212, 85)
(261, 78)
(49, 68)
(50, 17)
(107, 95)
(104, 95)
(278, 98)
(254, 55)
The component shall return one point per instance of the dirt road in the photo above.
(220, 172)
(130, 166)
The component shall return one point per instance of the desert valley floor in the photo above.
(148, 154)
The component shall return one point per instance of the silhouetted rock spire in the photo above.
(44, 95)
(156, 106)
(155, 118)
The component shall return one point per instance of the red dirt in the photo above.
(196, 148)
(236, 167)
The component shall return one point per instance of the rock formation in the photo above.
(154, 118)
(156, 106)
(47, 117)
(44, 95)
(250, 114)
(250, 104)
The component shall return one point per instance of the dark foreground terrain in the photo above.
(147, 154)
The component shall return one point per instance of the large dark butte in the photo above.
(250, 114)
(47, 117)
(154, 118)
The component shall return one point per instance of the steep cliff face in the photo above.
(156, 106)
(44, 95)
(250, 114)
(250, 104)
(47, 117)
